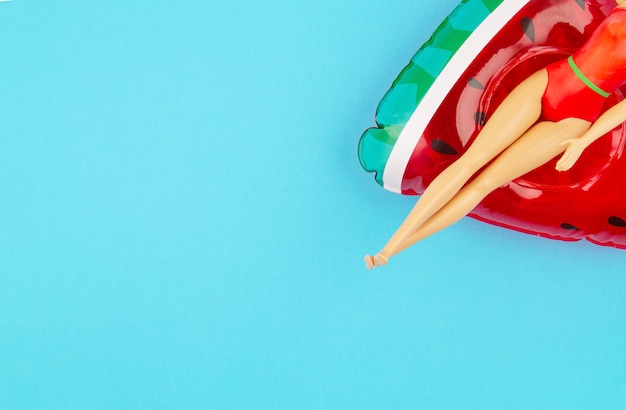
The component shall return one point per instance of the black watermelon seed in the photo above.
(442, 147)
(529, 28)
(617, 221)
(569, 227)
(581, 3)
(474, 83)
(480, 118)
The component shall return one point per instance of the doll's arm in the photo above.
(607, 121)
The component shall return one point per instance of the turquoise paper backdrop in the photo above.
(183, 218)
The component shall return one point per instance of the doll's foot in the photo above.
(369, 262)
(380, 259)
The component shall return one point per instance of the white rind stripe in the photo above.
(414, 128)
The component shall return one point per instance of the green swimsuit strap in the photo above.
(584, 79)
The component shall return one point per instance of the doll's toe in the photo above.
(380, 260)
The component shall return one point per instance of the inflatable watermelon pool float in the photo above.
(442, 98)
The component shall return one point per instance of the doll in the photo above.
(555, 110)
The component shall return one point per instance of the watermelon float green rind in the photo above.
(414, 81)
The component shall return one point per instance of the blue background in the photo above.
(183, 220)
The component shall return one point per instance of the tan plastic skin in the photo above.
(516, 143)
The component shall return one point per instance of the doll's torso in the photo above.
(600, 63)
(602, 59)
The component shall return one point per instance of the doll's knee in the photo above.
(484, 183)
(472, 163)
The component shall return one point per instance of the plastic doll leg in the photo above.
(539, 145)
(517, 113)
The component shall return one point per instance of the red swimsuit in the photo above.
(602, 60)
